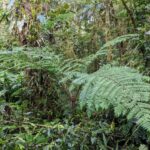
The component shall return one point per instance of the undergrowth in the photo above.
(74, 75)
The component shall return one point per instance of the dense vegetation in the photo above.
(75, 74)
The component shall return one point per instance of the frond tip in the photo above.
(121, 87)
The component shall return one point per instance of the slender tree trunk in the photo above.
(130, 14)
(108, 26)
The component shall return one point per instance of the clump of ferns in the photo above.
(40, 70)
(72, 68)
(121, 88)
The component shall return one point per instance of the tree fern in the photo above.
(83, 64)
(22, 58)
(121, 87)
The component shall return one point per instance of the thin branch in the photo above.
(130, 14)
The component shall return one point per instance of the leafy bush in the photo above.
(78, 132)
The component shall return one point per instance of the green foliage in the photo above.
(33, 75)
(120, 39)
(78, 69)
(121, 87)
(21, 58)
(25, 132)
(104, 50)
(11, 86)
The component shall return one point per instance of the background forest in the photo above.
(75, 74)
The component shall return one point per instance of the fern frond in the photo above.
(121, 87)
(104, 49)
(120, 39)
(20, 59)
(73, 65)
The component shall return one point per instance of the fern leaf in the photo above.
(121, 87)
